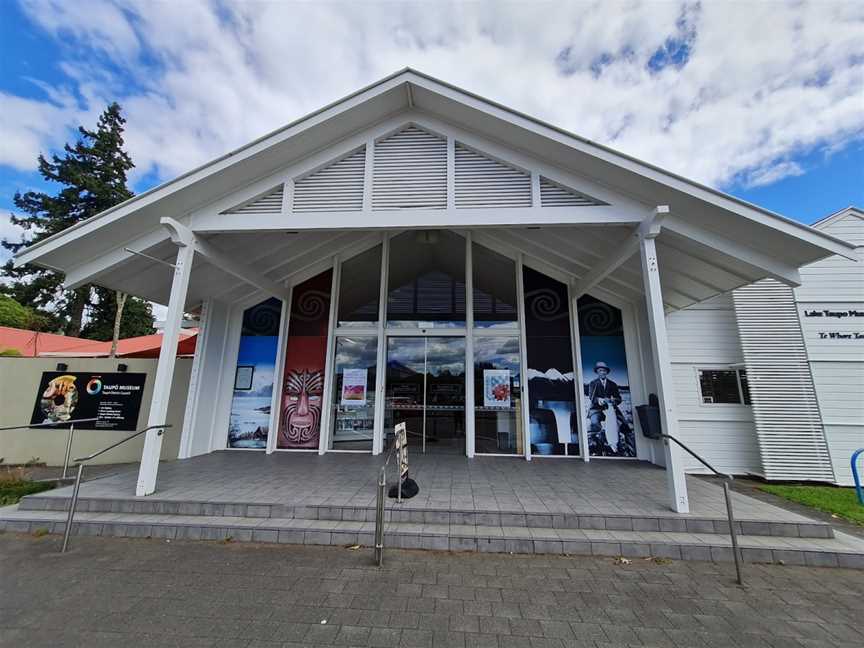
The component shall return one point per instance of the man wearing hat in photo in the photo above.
(601, 392)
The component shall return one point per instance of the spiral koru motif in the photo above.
(311, 306)
(544, 304)
(262, 319)
(598, 318)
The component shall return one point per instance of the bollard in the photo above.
(379, 518)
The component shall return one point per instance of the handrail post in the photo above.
(68, 450)
(736, 554)
(732, 532)
(379, 517)
(72, 505)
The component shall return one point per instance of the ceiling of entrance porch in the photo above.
(689, 272)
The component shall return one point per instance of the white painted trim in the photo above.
(470, 427)
(417, 219)
(279, 373)
(579, 379)
(329, 378)
(190, 412)
(381, 367)
(523, 351)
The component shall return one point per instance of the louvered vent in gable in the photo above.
(335, 187)
(410, 171)
(483, 182)
(553, 194)
(268, 203)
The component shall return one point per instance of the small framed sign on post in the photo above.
(402, 455)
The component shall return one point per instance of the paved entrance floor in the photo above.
(124, 592)
(448, 482)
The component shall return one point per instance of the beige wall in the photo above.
(19, 382)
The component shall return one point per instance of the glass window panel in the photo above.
(426, 284)
(608, 402)
(552, 407)
(354, 393)
(497, 395)
(249, 422)
(305, 355)
(745, 386)
(494, 287)
(360, 289)
(719, 386)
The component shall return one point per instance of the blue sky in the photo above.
(764, 101)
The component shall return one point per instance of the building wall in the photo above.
(837, 364)
(704, 336)
(19, 383)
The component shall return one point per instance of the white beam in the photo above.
(165, 370)
(225, 262)
(418, 218)
(675, 477)
(626, 249)
(772, 267)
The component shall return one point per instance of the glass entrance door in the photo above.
(425, 388)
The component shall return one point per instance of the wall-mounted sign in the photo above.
(113, 398)
(839, 314)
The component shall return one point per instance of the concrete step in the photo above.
(405, 513)
(840, 551)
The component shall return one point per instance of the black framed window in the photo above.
(724, 387)
(426, 285)
(359, 289)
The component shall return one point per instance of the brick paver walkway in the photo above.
(123, 592)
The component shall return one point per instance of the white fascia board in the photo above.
(772, 267)
(634, 165)
(838, 215)
(231, 158)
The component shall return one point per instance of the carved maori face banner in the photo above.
(303, 386)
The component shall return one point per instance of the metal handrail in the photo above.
(727, 478)
(71, 423)
(73, 504)
(855, 476)
(379, 508)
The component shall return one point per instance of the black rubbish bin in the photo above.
(649, 419)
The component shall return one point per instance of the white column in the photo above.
(165, 369)
(469, 348)
(663, 370)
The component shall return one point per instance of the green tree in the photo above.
(92, 178)
(18, 316)
(137, 317)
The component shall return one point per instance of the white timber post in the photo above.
(165, 367)
(675, 477)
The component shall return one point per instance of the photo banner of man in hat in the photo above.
(608, 405)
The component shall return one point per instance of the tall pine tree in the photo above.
(92, 175)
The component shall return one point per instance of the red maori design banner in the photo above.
(306, 353)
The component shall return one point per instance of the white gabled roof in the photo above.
(715, 214)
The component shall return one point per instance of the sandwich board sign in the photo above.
(402, 450)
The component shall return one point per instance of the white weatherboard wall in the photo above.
(831, 292)
(704, 336)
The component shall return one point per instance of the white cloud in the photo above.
(771, 173)
(762, 82)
